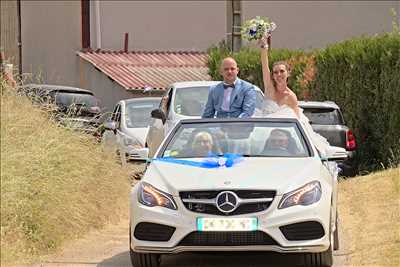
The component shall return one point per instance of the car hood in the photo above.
(280, 174)
(138, 133)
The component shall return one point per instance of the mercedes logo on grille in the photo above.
(227, 201)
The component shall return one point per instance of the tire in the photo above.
(143, 259)
(322, 259)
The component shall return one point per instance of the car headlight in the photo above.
(150, 196)
(305, 195)
(128, 141)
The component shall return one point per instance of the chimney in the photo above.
(126, 42)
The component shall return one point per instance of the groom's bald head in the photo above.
(229, 69)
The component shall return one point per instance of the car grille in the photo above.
(227, 239)
(189, 199)
(303, 231)
(153, 232)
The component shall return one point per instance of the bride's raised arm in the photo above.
(268, 85)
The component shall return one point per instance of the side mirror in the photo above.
(110, 125)
(143, 153)
(335, 153)
(159, 114)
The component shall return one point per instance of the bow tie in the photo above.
(228, 85)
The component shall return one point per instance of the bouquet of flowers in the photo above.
(257, 28)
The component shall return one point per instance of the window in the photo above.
(138, 114)
(324, 116)
(251, 139)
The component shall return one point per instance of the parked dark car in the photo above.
(326, 119)
(72, 107)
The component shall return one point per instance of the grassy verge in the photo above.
(56, 184)
(369, 209)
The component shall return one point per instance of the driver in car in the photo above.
(277, 143)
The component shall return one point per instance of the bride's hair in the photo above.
(287, 66)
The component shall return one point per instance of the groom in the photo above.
(232, 98)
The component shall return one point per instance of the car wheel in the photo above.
(321, 259)
(143, 259)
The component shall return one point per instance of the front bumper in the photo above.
(179, 249)
(269, 222)
(133, 153)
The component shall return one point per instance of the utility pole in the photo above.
(19, 39)
(234, 24)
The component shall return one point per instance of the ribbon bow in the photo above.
(227, 160)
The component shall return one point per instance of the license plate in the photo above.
(227, 224)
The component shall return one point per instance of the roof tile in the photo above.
(136, 70)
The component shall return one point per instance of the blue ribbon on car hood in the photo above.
(227, 160)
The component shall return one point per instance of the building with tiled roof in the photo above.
(116, 75)
(138, 70)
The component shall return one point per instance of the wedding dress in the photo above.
(272, 109)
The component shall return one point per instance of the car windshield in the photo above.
(250, 139)
(138, 113)
(191, 101)
(324, 116)
(68, 99)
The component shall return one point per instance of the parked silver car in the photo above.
(126, 130)
(183, 100)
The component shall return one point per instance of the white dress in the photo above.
(272, 110)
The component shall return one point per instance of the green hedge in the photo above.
(249, 63)
(361, 75)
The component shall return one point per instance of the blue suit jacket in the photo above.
(242, 104)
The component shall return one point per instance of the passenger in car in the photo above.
(280, 143)
(201, 144)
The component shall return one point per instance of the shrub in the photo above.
(362, 76)
(249, 63)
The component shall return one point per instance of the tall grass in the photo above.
(56, 184)
(369, 213)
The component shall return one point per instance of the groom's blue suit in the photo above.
(242, 101)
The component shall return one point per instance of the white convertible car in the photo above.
(256, 184)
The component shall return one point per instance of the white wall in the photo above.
(51, 34)
(315, 24)
(162, 25)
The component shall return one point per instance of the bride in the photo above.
(275, 85)
(279, 99)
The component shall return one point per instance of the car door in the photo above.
(157, 129)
